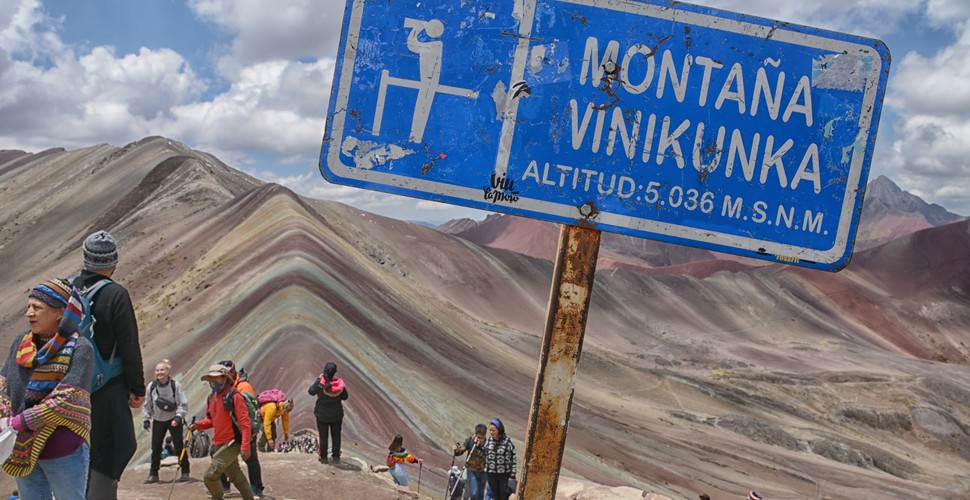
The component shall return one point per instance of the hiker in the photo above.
(475, 462)
(115, 336)
(270, 410)
(164, 412)
(396, 456)
(500, 464)
(46, 379)
(241, 379)
(329, 410)
(253, 468)
(232, 432)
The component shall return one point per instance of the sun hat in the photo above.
(215, 371)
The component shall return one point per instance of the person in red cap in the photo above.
(226, 413)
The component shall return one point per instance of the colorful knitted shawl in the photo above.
(47, 403)
(399, 457)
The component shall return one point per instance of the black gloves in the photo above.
(146, 424)
(178, 420)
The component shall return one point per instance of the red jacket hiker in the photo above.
(216, 417)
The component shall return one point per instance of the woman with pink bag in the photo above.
(329, 410)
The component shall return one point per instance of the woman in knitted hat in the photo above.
(329, 410)
(45, 396)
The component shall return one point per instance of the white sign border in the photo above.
(778, 33)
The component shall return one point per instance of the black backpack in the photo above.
(199, 445)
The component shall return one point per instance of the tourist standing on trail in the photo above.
(115, 337)
(164, 412)
(396, 457)
(45, 398)
(226, 413)
(329, 410)
(475, 463)
(252, 463)
(500, 462)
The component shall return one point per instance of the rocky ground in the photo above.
(285, 476)
(293, 476)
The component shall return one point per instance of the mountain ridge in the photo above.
(790, 381)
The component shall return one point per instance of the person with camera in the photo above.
(329, 410)
(164, 412)
(474, 462)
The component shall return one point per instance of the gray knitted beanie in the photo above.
(100, 252)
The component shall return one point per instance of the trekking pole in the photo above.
(448, 489)
(185, 446)
(420, 467)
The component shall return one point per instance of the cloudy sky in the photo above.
(249, 81)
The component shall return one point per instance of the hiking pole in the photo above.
(185, 446)
(420, 467)
(450, 491)
(448, 486)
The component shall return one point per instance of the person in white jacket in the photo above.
(164, 411)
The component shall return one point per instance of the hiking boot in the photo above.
(257, 491)
(323, 461)
(152, 479)
(184, 477)
(336, 460)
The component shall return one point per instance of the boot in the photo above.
(152, 478)
(184, 477)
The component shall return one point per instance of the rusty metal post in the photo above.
(562, 343)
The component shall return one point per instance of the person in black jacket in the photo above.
(115, 332)
(329, 410)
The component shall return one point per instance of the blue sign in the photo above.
(661, 120)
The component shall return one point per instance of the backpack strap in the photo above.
(228, 404)
(92, 290)
(89, 292)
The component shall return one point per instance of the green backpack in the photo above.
(254, 418)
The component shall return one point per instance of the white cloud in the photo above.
(930, 155)
(948, 12)
(274, 106)
(290, 29)
(936, 85)
(48, 96)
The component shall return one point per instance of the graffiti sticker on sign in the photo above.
(660, 120)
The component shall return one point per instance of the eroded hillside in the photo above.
(799, 383)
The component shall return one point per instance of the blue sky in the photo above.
(249, 81)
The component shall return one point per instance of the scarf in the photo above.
(332, 387)
(51, 361)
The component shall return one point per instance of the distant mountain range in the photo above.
(699, 372)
